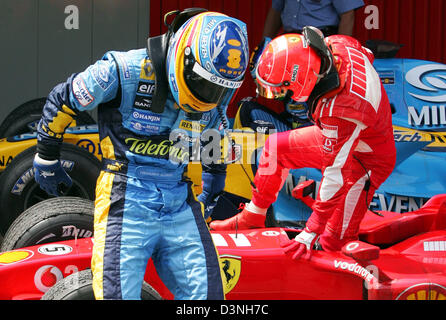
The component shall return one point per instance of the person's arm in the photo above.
(346, 12)
(213, 175)
(83, 91)
(273, 23)
(346, 23)
(213, 181)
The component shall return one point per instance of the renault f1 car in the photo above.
(398, 256)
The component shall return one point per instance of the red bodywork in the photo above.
(411, 263)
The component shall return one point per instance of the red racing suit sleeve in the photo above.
(340, 137)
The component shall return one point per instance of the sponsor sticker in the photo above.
(429, 81)
(231, 268)
(387, 77)
(295, 71)
(423, 291)
(330, 134)
(145, 121)
(147, 71)
(102, 76)
(206, 117)
(47, 276)
(146, 117)
(146, 88)
(80, 92)
(55, 249)
(145, 128)
(143, 103)
(193, 126)
(354, 268)
(173, 82)
(87, 145)
(159, 147)
(10, 257)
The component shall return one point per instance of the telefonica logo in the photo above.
(436, 82)
(161, 148)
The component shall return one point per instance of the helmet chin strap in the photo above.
(157, 52)
(327, 70)
(315, 39)
(328, 80)
(194, 116)
(324, 85)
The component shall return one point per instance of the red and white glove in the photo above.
(250, 218)
(302, 243)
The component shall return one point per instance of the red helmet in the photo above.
(288, 67)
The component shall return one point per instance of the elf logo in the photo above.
(146, 88)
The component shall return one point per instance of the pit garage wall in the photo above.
(417, 24)
(41, 46)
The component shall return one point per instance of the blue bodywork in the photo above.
(417, 93)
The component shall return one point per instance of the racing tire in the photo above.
(19, 191)
(25, 118)
(51, 220)
(78, 286)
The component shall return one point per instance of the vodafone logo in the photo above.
(352, 246)
(431, 78)
(46, 277)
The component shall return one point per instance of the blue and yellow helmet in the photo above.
(206, 61)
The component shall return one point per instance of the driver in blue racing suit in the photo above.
(148, 127)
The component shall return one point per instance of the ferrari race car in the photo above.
(398, 256)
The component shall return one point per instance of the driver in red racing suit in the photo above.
(352, 142)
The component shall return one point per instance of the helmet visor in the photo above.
(205, 86)
(270, 90)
